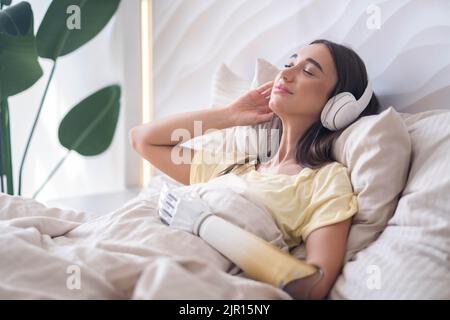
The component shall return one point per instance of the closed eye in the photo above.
(304, 70)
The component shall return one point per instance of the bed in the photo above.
(399, 243)
(398, 246)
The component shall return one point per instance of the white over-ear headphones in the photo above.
(343, 109)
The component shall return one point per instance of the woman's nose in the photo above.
(287, 74)
(287, 77)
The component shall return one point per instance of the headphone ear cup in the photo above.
(333, 107)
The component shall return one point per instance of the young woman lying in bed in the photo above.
(322, 90)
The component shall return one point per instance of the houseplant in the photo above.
(88, 128)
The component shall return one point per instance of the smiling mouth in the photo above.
(282, 90)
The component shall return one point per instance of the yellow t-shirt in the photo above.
(299, 203)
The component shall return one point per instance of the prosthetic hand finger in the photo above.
(187, 211)
(181, 210)
(164, 210)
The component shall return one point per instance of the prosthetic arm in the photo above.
(258, 258)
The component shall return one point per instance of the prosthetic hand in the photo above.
(259, 259)
(184, 211)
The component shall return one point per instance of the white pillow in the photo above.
(410, 259)
(376, 150)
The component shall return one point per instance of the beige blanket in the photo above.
(51, 253)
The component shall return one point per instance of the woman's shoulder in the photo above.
(333, 167)
(334, 174)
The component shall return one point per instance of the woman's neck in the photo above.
(293, 130)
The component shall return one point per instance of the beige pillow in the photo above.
(376, 150)
(410, 259)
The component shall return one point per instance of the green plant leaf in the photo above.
(55, 39)
(19, 66)
(88, 128)
(17, 19)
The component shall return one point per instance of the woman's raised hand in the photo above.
(252, 107)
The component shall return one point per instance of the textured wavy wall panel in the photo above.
(408, 58)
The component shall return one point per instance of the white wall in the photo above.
(408, 58)
(112, 57)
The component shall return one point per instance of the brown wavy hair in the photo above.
(314, 148)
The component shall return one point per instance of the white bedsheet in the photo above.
(125, 254)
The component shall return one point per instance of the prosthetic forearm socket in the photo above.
(258, 258)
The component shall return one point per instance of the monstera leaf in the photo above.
(88, 128)
(19, 67)
(55, 39)
(19, 70)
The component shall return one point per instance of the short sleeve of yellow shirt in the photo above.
(299, 204)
